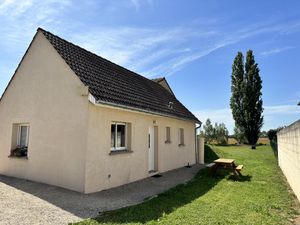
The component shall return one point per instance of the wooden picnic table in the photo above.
(227, 164)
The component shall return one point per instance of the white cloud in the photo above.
(274, 51)
(282, 110)
(137, 3)
(5, 5)
(216, 116)
(160, 52)
(177, 63)
(20, 19)
(274, 116)
(139, 48)
(150, 51)
(18, 23)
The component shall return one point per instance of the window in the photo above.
(23, 135)
(20, 139)
(168, 135)
(181, 136)
(118, 136)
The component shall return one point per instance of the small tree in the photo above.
(263, 134)
(208, 131)
(246, 99)
(221, 133)
(272, 134)
(218, 133)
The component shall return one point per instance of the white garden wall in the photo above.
(289, 155)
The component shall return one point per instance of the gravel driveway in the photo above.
(27, 202)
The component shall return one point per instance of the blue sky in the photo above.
(192, 43)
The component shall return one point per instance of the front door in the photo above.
(151, 146)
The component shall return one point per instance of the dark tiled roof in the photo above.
(112, 84)
(157, 80)
(163, 82)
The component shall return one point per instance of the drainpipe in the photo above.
(196, 145)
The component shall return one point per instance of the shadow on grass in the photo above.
(274, 148)
(169, 201)
(209, 154)
(222, 173)
(243, 178)
(164, 203)
(226, 145)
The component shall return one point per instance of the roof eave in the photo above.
(95, 102)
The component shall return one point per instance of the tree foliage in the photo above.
(215, 134)
(221, 133)
(239, 135)
(263, 134)
(208, 131)
(272, 134)
(246, 99)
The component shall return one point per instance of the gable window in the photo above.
(20, 140)
(181, 137)
(168, 135)
(118, 136)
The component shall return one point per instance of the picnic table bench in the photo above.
(227, 164)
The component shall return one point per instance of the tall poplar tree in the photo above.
(246, 98)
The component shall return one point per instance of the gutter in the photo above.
(196, 146)
(115, 105)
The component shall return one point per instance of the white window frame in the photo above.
(19, 134)
(168, 138)
(116, 136)
(181, 142)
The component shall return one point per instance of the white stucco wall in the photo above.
(104, 171)
(44, 93)
(289, 155)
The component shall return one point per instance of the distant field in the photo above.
(232, 141)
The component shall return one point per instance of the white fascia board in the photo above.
(92, 99)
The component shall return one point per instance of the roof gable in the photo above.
(163, 82)
(111, 83)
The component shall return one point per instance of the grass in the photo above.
(262, 196)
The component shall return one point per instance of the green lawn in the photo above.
(260, 197)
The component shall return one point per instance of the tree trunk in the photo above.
(253, 146)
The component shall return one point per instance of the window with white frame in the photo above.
(20, 140)
(181, 136)
(168, 135)
(118, 136)
(23, 135)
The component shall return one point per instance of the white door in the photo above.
(151, 149)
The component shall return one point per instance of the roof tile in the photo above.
(111, 83)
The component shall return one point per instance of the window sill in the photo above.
(117, 152)
(167, 142)
(181, 145)
(18, 157)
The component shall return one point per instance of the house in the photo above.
(76, 120)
